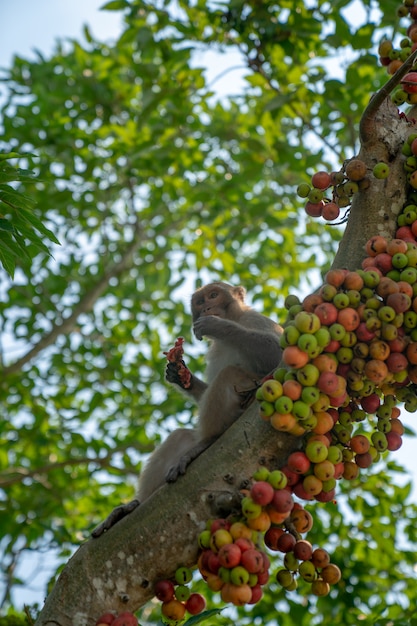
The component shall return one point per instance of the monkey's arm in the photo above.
(174, 375)
(178, 373)
(258, 338)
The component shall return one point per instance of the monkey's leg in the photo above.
(167, 455)
(224, 401)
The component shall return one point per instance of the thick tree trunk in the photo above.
(374, 211)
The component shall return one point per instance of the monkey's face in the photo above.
(211, 300)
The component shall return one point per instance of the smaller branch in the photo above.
(15, 475)
(367, 123)
(85, 304)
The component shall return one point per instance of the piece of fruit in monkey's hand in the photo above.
(174, 355)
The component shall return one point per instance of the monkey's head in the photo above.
(219, 299)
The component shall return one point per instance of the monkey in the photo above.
(245, 347)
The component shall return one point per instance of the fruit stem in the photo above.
(366, 126)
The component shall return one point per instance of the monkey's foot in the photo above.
(115, 516)
(247, 395)
(178, 470)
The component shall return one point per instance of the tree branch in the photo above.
(367, 123)
(85, 304)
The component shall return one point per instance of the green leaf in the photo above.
(36, 223)
(115, 5)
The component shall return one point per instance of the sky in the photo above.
(28, 25)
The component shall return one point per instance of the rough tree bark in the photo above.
(118, 571)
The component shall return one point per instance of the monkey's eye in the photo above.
(213, 294)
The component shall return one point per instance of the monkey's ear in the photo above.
(239, 293)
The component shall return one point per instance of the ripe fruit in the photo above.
(331, 574)
(330, 211)
(262, 493)
(106, 618)
(164, 590)
(303, 550)
(409, 82)
(195, 604)
(126, 619)
(229, 555)
(356, 169)
(321, 180)
(282, 501)
(173, 610)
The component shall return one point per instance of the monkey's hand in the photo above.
(213, 326)
(177, 372)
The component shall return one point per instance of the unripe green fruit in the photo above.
(262, 473)
(250, 509)
(290, 336)
(290, 562)
(399, 260)
(183, 575)
(291, 299)
(224, 574)
(315, 196)
(307, 571)
(398, 97)
(323, 337)
(341, 300)
(334, 454)
(204, 539)
(308, 375)
(277, 479)
(301, 410)
(310, 395)
(271, 390)
(384, 48)
(284, 578)
(381, 170)
(283, 405)
(307, 322)
(266, 409)
(384, 425)
(307, 343)
(239, 575)
(350, 188)
(280, 374)
(316, 451)
(182, 593)
(379, 440)
(303, 190)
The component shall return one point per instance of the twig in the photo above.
(366, 126)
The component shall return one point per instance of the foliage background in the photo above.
(153, 185)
